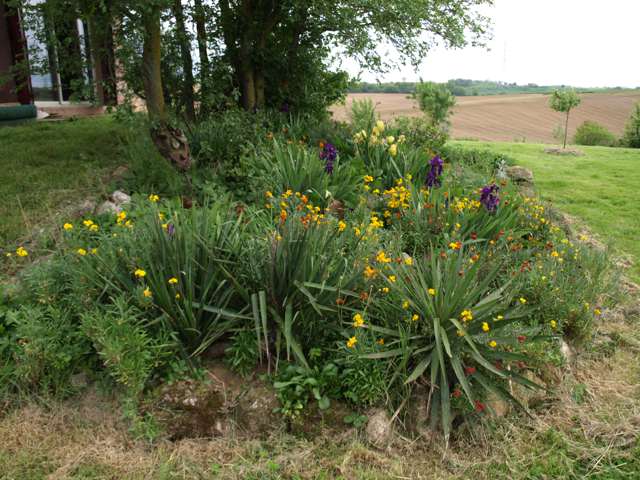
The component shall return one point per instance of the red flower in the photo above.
(456, 393)
(470, 370)
(521, 338)
(474, 236)
(479, 406)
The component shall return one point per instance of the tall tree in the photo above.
(170, 142)
(200, 19)
(187, 61)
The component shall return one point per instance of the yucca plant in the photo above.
(304, 278)
(182, 266)
(448, 323)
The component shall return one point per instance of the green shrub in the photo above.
(420, 133)
(40, 349)
(485, 162)
(362, 115)
(130, 347)
(594, 134)
(631, 136)
(436, 101)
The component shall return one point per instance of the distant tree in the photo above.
(564, 101)
(631, 136)
(436, 101)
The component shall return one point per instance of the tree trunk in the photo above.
(201, 35)
(170, 142)
(566, 130)
(187, 61)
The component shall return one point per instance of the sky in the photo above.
(583, 43)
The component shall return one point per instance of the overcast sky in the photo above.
(583, 43)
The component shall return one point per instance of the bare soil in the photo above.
(509, 118)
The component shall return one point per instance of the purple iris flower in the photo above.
(433, 177)
(171, 229)
(329, 155)
(489, 197)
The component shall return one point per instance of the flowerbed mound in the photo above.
(380, 274)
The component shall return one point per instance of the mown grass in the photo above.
(601, 188)
(45, 166)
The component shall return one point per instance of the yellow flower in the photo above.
(415, 317)
(432, 292)
(140, 273)
(493, 344)
(553, 324)
(368, 179)
(160, 216)
(287, 194)
(408, 261)
(173, 281)
(82, 252)
(485, 327)
(381, 341)
(466, 315)
(370, 272)
(67, 226)
(499, 317)
(268, 194)
(154, 198)
(380, 126)
(555, 254)
(523, 300)
(390, 139)
(87, 223)
(341, 226)
(178, 296)
(358, 321)
(147, 293)
(393, 150)
(385, 289)
(597, 311)
(392, 278)
(460, 333)
(94, 251)
(405, 304)
(121, 217)
(381, 257)
(21, 252)
(352, 342)
(94, 228)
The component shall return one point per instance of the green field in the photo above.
(601, 188)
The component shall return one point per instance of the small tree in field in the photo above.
(632, 131)
(435, 101)
(564, 101)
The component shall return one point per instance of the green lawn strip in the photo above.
(45, 165)
(601, 188)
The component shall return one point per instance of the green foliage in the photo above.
(564, 100)
(436, 101)
(484, 161)
(244, 352)
(40, 349)
(182, 265)
(420, 133)
(631, 136)
(592, 133)
(362, 115)
(129, 347)
(296, 385)
(298, 168)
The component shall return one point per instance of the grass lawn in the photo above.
(46, 165)
(601, 188)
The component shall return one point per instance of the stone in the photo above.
(120, 198)
(379, 427)
(87, 207)
(520, 175)
(568, 355)
(497, 405)
(108, 207)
